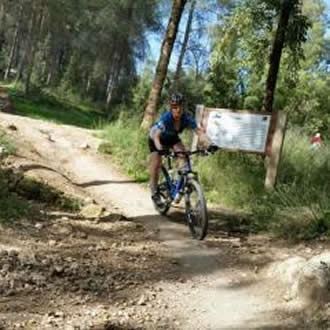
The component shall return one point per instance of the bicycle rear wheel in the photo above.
(196, 210)
(164, 193)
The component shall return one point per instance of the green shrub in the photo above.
(299, 207)
(232, 179)
(128, 145)
(6, 145)
(49, 106)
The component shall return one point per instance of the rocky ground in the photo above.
(63, 270)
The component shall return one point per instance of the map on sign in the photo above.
(242, 131)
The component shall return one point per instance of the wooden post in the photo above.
(199, 117)
(273, 160)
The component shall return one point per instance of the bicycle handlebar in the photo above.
(204, 152)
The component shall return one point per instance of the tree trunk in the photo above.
(162, 66)
(30, 53)
(36, 29)
(185, 42)
(109, 76)
(88, 84)
(275, 57)
(14, 44)
(2, 25)
(117, 68)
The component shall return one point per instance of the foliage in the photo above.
(141, 91)
(242, 42)
(6, 145)
(128, 145)
(300, 205)
(87, 48)
(48, 106)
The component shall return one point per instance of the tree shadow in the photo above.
(103, 182)
(220, 221)
(31, 167)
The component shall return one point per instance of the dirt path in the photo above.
(221, 283)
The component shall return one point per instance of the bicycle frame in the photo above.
(176, 186)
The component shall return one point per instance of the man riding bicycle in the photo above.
(164, 134)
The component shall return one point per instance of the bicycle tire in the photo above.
(164, 193)
(197, 216)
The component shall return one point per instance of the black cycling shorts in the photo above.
(167, 140)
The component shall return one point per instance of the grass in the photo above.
(7, 146)
(12, 207)
(49, 106)
(128, 145)
(300, 206)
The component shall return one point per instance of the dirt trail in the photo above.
(222, 284)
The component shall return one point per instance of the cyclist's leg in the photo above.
(154, 169)
(181, 159)
(154, 166)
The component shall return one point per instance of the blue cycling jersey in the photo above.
(166, 123)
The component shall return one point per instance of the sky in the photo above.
(155, 41)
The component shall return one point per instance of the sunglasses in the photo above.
(176, 107)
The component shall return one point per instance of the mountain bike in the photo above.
(175, 184)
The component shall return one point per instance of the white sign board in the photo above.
(242, 131)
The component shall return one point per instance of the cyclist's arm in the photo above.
(203, 139)
(157, 139)
(199, 131)
(157, 129)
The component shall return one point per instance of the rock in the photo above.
(13, 253)
(142, 301)
(85, 146)
(57, 270)
(82, 235)
(287, 272)
(3, 150)
(52, 243)
(314, 280)
(92, 211)
(306, 281)
(102, 246)
(38, 226)
(3, 253)
(62, 229)
(6, 267)
(12, 127)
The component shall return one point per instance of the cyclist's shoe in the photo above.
(177, 198)
(212, 148)
(163, 152)
(157, 199)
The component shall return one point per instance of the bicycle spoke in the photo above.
(196, 211)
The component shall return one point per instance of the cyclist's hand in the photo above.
(162, 152)
(212, 148)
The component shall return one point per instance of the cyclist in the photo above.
(164, 134)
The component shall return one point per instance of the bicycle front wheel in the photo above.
(196, 210)
(164, 193)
